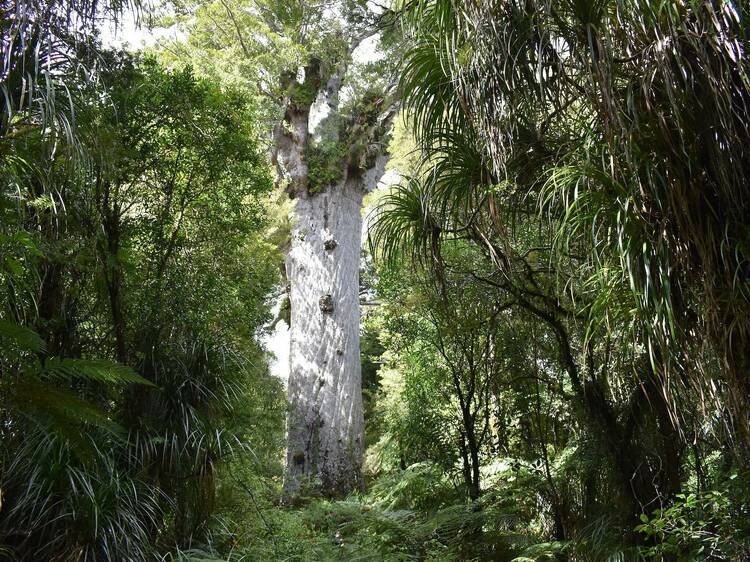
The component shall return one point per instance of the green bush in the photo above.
(696, 526)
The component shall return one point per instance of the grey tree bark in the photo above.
(325, 435)
(325, 425)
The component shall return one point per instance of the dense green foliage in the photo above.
(582, 188)
(134, 280)
(556, 339)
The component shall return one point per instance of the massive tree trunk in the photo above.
(325, 436)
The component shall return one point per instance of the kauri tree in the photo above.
(331, 111)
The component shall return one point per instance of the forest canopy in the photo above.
(506, 244)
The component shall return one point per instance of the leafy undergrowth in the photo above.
(419, 514)
(416, 514)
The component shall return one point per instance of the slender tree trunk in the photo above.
(475, 490)
(325, 436)
(113, 280)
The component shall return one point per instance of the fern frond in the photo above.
(20, 337)
(93, 369)
(41, 402)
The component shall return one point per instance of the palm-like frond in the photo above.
(430, 99)
(64, 496)
(404, 223)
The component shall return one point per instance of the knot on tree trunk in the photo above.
(330, 244)
(326, 304)
(299, 458)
